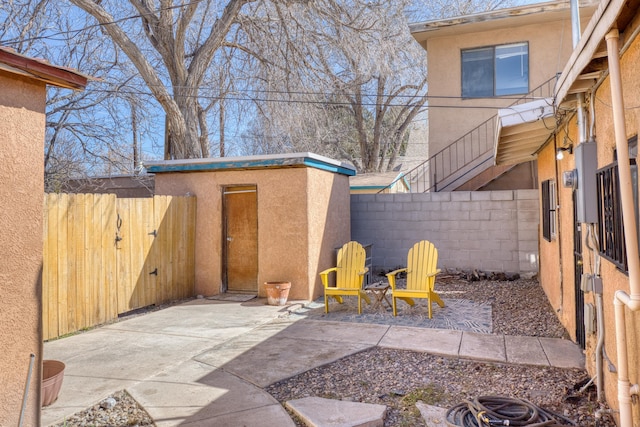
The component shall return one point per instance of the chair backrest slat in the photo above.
(351, 262)
(421, 261)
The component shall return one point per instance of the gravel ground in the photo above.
(399, 378)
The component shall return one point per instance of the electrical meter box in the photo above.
(586, 157)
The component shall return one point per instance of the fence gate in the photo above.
(105, 256)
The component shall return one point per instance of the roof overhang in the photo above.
(275, 161)
(41, 70)
(522, 130)
(588, 63)
(498, 19)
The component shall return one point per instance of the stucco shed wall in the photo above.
(22, 106)
(303, 213)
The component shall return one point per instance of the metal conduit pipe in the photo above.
(623, 300)
(599, 347)
(591, 235)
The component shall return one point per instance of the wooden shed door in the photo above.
(240, 257)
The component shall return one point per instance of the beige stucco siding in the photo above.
(282, 228)
(556, 258)
(613, 278)
(299, 222)
(550, 275)
(329, 222)
(557, 276)
(549, 48)
(22, 106)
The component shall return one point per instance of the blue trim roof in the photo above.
(252, 162)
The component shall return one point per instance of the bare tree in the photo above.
(87, 132)
(22, 21)
(181, 41)
(436, 9)
(357, 81)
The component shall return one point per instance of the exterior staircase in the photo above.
(469, 156)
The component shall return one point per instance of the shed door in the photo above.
(240, 257)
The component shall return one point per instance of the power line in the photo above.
(89, 27)
(256, 99)
(238, 97)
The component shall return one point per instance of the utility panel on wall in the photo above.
(586, 157)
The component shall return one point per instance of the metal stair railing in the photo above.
(469, 154)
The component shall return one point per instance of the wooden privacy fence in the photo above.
(105, 256)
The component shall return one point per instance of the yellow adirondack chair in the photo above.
(350, 271)
(421, 276)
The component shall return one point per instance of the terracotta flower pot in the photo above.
(277, 292)
(52, 375)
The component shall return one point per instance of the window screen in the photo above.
(495, 71)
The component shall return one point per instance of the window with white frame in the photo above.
(495, 71)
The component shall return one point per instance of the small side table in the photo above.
(379, 290)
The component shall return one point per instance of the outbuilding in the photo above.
(271, 218)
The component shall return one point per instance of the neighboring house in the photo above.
(122, 186)
(587, 168)
(23, 83)
(477, 64)
(384, 182)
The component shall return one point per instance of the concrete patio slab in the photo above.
(189, 392)
(336, 331)
(563, 353)
(444, 342)
(205, 362)
(203, 318)
(277, 358)
(320, 412)
(272, 415)
(121, 354)
(525, 351)
(483, 347)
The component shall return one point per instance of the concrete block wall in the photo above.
(486, 230)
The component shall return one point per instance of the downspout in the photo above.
(596, 274)
(621, 299)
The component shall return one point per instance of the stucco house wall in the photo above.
(549, 48)
(23, 83)
(557, 273)
(22, 107)
(546, 28)
(557, 263)
(303, 215)
(613, 278)
(556, 257)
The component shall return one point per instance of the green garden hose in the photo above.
(489, 411)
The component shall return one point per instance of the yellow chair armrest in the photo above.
(394, 272)
(324, 275)
(392, 277)
(363, 272)
(438, 271)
